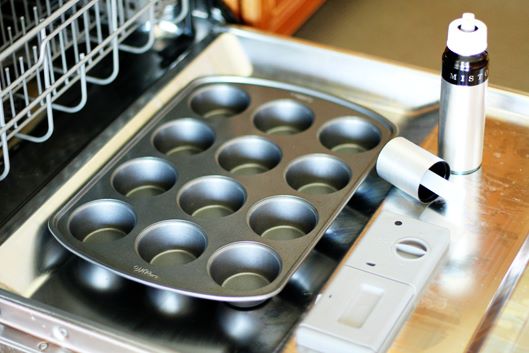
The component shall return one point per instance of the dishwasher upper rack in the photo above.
(49, 47)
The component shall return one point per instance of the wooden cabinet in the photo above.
(278, 16)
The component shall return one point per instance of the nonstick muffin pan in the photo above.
(225, 192)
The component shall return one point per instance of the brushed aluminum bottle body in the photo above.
(462, 110)
(462, 126)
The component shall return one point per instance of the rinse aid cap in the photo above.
(414, 170)
(467, 36)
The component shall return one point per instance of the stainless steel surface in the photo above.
(490, 227)
(461, 126)
(454, 305)
(510, 331)
(15, 341)
(217, 199)
(71, 335)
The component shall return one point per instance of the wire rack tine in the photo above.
(48, 13)
(11, 99)
(37, 74)
(2, 28)
(86, 24)
(150, 39)
(24, 85)
(13, 57)
(26, 11)
(184, 9)
(112, 27)
(13, 14)
(82, 102)
(47, 83)
(3, 141)
(26, 45)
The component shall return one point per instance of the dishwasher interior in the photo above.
(67, 301)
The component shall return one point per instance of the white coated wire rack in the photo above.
(49, 47)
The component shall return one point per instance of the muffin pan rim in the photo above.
(289, 266)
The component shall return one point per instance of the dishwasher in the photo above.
(92, 89)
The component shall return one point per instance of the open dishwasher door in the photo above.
(72, 303)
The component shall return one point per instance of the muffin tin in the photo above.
(225, 192)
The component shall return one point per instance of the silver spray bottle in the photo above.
(463, 88)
